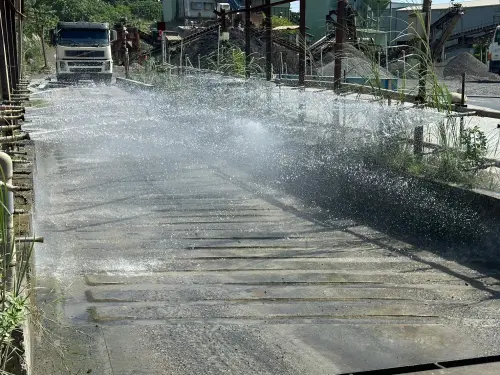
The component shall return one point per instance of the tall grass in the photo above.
(14, 307)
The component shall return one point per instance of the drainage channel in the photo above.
(430, 366)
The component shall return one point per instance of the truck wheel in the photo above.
(66, 80)
(106, 79)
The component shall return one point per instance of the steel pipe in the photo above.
(29, 239)
(8, 247)
(14, 138)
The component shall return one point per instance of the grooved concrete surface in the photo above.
(162, 257)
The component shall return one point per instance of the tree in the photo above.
(147, 9)
(40, 18)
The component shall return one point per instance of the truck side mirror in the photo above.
(114, 35)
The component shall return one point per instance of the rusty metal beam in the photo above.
(248, 50)
(339, 42)
(11, 45)
(302, 41)
(19, 35)
(4, 71)
(269, 40)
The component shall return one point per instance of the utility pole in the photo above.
(269, 40)
(339, 42)
(248, 51)
(125, 46)
(424, 51)
(302, 48)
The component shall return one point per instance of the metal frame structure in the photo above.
(11, 30)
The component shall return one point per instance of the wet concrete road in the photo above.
(164, 257)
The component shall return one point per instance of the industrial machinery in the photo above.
(83, 51)
(128, 42)
(441, 30)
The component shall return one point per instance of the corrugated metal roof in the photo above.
(466, 4)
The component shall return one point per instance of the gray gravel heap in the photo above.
(473, 68)
(357, 64)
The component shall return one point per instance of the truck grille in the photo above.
(85, 70)
(84, 53)
(84, 63)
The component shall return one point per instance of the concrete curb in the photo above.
(484, 112)
(132, 83)
(484, 96)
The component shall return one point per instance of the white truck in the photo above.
(83, 51)
(494, 52)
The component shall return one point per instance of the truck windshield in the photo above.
(83, 36)
(497, 36)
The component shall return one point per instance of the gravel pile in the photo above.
(356, 64)
(472, 67)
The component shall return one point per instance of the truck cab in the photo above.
(83, 51)
(494, 52)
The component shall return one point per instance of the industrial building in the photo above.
(476, 25)
(392, 17)
(372, 14)
(179, 12)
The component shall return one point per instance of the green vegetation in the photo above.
(14, 304)
(453, 152)
(98, 10)
(481, 51)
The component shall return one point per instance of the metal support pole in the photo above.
(218, 48)
(339, 41)
(418, 141)
(387, 59)
(302, 104)
(462, 99)
(163, 49)
(248, 51)
(8, 246)
(462, 104)
(302, 48)
(224, 34)
(269, 40)
(321, 57)
(180, 58)
(127, 60)
(404, 63)
(281, 63)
